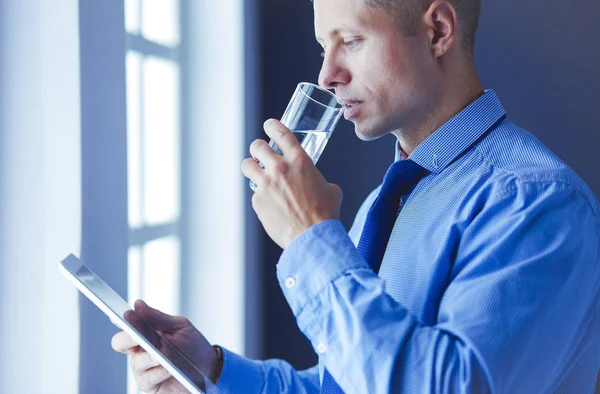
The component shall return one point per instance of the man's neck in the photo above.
(453, 102)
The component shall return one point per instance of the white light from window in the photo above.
(132, 387)
(160, 21)
(134, 292)
(134, 274)
(215, 217)
(132, 16)
(131, 383)
(134, 144)
(161, 149)
(161, 274)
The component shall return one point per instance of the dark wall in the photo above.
(541, 57)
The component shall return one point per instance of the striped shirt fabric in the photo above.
(490, 282)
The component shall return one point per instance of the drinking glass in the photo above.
(311, 115)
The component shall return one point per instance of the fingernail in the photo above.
(270, 120)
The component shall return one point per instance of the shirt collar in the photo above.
(459, 133)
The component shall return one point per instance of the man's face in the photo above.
(387, 80)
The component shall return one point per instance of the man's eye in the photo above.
(323, 54)
(351, 43)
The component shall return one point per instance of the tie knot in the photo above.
(400, 178)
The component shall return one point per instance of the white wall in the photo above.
(104, 185)
(40, 190)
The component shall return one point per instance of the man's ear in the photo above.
(442, 23)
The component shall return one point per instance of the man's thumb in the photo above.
(157, 319)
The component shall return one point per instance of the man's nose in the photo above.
(333, 73)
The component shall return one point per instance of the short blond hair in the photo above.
(408, 12)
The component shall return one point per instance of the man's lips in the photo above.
(351, 108)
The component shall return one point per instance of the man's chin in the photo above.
(364, 137)
(366, 133)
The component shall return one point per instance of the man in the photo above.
(488, 277)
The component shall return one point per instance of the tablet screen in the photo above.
(109, 298)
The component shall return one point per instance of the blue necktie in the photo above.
(399, 181)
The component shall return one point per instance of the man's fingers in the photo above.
(283, 138)
(261, 151)
(135, 350)
(149, 379)
(142, 361)
(159, 320)
(252, 170)
(123, 343)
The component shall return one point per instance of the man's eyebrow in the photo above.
(336, 32)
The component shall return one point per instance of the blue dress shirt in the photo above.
(490, 281)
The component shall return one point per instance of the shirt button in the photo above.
(321, 348)
(290, 282)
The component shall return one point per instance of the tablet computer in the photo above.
(122, 314)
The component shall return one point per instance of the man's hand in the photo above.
(291, 194)
(150, 376)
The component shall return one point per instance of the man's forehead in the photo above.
(337, 17)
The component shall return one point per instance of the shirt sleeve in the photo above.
(241, 375)
(526, 272)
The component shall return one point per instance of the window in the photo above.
(186, 193)
(153, 153)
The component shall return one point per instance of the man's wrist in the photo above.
(220, 360)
